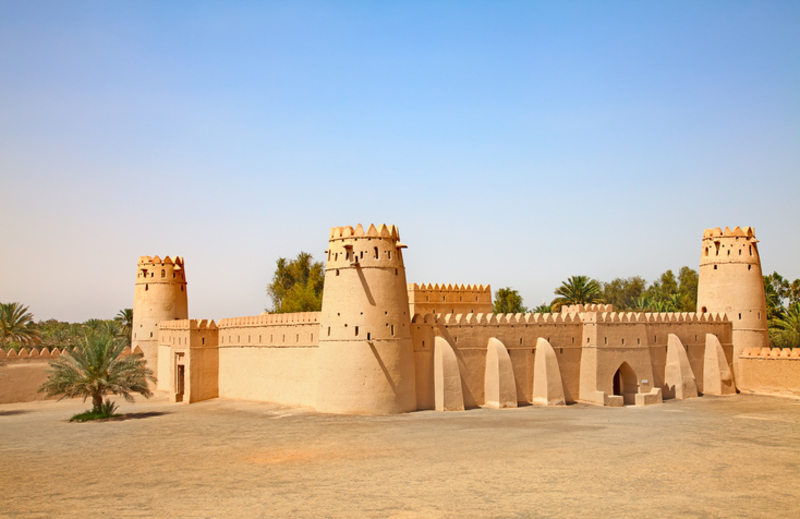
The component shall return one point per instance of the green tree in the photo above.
(784, 332)
(687, 290)
(125, 318)
(622, 292)
(544, 308)
(16, 326)
(577, 290)
(96, 368)
(297, 285)
(508, 301)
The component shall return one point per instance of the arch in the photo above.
(626, 384)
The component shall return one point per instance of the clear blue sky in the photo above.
(513, 143)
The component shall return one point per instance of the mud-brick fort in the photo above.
(381, 345)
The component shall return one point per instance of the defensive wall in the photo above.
(270, 357)
(449, 299)
(590, 344)
(25, 371)
(770, 371)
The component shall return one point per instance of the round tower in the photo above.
(731, 282)
(160, 295)
(365, 358)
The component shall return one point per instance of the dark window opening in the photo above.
(356, 331)
(369, 336)
(376, 252)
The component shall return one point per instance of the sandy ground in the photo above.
(706, 457)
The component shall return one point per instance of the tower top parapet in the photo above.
(152, 260)
(382, 231)
(737, 232)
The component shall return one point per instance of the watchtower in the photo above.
(160, 295)
(365, 358)
(731, 282)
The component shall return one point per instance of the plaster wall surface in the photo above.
(270, 358)
(770, 372)
(20, 379)
(449, 299)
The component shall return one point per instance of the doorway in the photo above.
(179, 381)
(626, 384)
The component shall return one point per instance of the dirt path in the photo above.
(706, 457)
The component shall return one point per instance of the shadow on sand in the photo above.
(13, 412)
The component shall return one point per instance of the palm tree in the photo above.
(577, 290)
(785, 331)
(96, 368)
(125, 319)
(16, 325)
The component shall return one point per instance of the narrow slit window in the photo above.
(392, 330)
(356, 331)
(163, 273)
(369, 336)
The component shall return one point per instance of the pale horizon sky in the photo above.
(513, 143)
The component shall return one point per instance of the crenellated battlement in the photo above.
(270, 319)
(188, 324)
(450, 288)
(488, 319)
(382, 231)
(482, 319)
(591, 307)
(155, 260)
(771, 353)
(737, 232)
(43, 353)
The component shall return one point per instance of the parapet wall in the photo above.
(270, 357)
(449, 299)
(568, 332)
(25, 371)
(770, 371)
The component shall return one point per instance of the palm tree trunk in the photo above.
(97, 402)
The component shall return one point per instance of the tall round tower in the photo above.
(160, 295)
(731, 282)
(365, 358)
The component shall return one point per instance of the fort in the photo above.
(381, 345)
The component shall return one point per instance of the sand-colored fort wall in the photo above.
(770, 371)
(469, 334)
(608, 338)
(449, 299)
(270, 357)
(25, 371)
(188, 359)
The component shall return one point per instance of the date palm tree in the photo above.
(785, 331)
(16, 325)
(95, 369)
(577, 290)
(125, 319)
